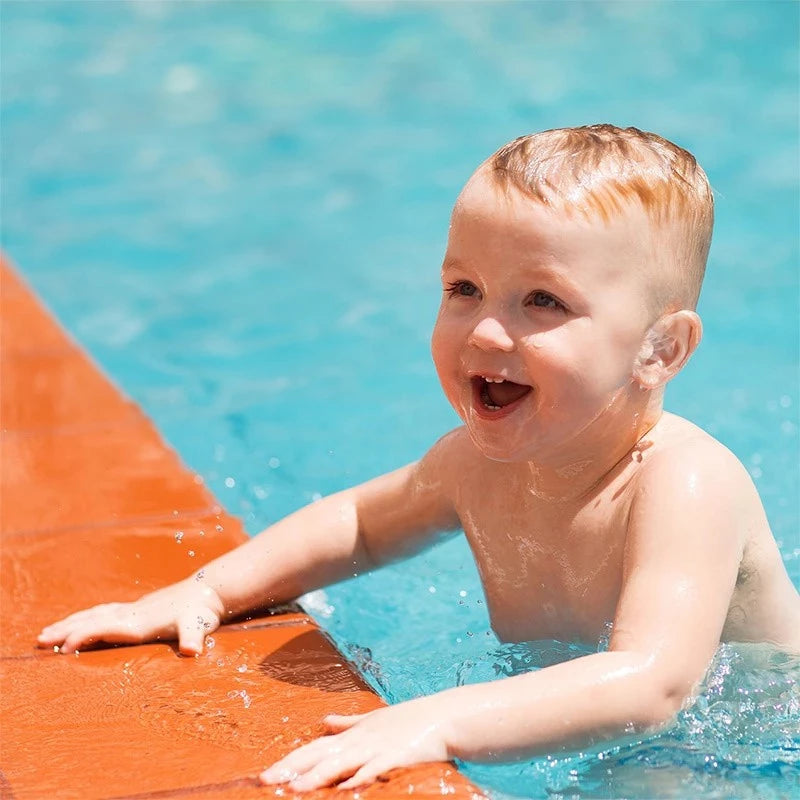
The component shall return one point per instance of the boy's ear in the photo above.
(666, 348)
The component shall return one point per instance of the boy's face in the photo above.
(551, 309)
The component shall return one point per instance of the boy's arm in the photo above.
(342, 535)
(683, 549)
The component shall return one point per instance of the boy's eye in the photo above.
(461, 288)
(546, 300)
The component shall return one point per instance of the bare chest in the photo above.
(548, 574)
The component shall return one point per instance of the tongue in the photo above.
(502, 394)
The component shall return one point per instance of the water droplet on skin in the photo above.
(284, 719)
(200, 575)
(218, 528)
(191, 554)
(202, 533)
(210, 643)
(179, 536)
(242, 668)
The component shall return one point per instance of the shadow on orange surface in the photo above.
(94, 507)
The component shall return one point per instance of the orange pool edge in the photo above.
(90, 501)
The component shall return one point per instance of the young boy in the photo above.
(571, 276)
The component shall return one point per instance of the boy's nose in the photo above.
(490, 334)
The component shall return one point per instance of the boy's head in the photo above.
(601, 171)
(573, 264)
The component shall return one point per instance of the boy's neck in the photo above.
(615, 437)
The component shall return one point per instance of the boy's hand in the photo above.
(365, 746)
(188, 611)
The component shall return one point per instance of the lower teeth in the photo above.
(487, 402)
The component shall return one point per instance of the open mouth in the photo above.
(497, 397)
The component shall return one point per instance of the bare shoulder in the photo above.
(694, 487)
(683, 461)
(717, 517)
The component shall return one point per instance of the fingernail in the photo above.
(273, 775)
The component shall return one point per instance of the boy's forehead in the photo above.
(516, 217)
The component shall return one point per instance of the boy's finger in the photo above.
(368, 773)
(297, 762)
(341, 722)
(49, 635)
(78, 638)
(58, 630)
(192, 631)
(328, 771)
(98, 616)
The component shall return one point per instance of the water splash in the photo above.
(740, 738)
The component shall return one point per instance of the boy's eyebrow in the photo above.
(452, 263)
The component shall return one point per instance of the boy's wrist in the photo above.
(210, 595)
(446, 709)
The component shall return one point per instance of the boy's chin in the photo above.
(501, 449)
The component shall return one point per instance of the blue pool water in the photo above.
(240, 210)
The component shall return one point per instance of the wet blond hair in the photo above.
(600, 171)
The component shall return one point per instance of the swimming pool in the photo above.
(240, 210)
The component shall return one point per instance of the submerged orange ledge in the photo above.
(90, 500)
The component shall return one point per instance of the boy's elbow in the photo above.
(660, 705)
(668, 703)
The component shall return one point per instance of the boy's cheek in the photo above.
(454, 394)
(438, 338)
(445, 358)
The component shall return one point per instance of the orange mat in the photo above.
(90, 501)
